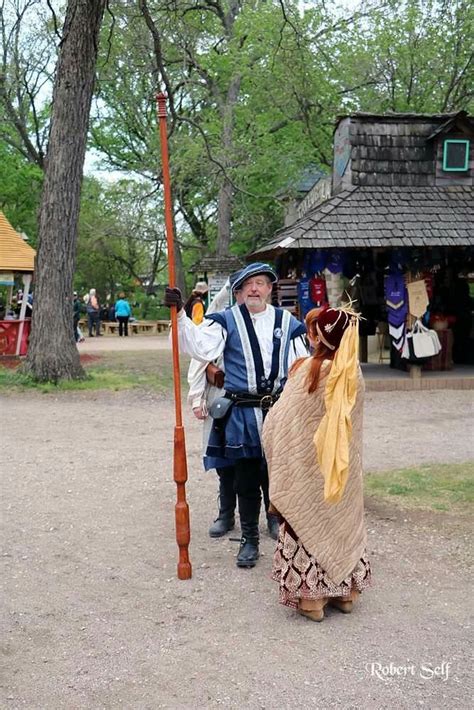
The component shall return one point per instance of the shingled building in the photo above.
(402, 192)
(399, 180)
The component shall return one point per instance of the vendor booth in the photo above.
(16, 259)
(395, 236)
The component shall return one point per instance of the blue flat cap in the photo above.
(253, 270)
(233, 278)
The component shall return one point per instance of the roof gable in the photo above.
(460, 122)
(389, 150)
(15, 254)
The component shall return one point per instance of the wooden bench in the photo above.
(137, 327)
(143, 327)
(162, 326)
(109, 328)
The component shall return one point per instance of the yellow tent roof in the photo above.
(15, 253)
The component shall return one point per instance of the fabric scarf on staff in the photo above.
(333, 436)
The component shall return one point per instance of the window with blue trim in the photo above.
(456, 155)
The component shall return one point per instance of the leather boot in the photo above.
(312, 609)
(225, 521)
(273, 526)
(344, 604)
(249, 509)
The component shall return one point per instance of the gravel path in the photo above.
(135, 343)
(94, 617)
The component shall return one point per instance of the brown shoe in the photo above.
(313, 609)
(344, 604)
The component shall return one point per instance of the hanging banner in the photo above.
(417, 298)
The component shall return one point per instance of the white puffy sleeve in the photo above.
(203, 342)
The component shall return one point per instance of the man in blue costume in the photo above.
(259, 343)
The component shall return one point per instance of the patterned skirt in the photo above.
(301, 577)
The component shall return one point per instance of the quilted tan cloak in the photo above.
(334, 534)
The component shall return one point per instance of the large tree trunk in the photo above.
(224, 217)
(53, 354)
(226, 191)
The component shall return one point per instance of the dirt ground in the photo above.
(93, 615)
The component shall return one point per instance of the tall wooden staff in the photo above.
(180, 470)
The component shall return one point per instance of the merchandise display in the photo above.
(391, 289)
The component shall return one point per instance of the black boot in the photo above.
(248, 553)
(225, 521)
(273, 525)
(249, 509)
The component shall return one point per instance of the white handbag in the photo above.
(425, 341)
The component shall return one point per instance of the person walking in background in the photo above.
(122, 314)
(76, 317)
(93, 313)
(312, 439)
(195, 306)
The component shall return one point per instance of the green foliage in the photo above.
(254, 100)
(294, 73)
(415, 56)
(121, 241)
(148, 307)
(20, 191)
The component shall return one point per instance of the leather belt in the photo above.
(244, 399)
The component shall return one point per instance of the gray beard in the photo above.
(255, 306)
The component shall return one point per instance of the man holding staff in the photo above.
(258, 343)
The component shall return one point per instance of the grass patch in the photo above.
(445, 487)
(112, 371)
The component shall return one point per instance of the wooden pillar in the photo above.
(24, 301)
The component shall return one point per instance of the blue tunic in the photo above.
(244, 372)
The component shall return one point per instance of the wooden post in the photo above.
(21, 317)
(180, 470)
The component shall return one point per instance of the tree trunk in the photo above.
(224, 217)
(226, 191)
(178, 262)
(53, 354)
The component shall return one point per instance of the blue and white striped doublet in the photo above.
(245, 373)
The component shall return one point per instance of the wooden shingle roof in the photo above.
(15, 253)
(217, 264)
(377, 217)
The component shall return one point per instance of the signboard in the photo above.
(6, 279)
(216, 282)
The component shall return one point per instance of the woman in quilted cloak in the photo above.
(312, 439)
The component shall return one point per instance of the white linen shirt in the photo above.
(206, 342)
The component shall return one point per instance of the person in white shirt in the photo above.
(258, 343)
(201, 395)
